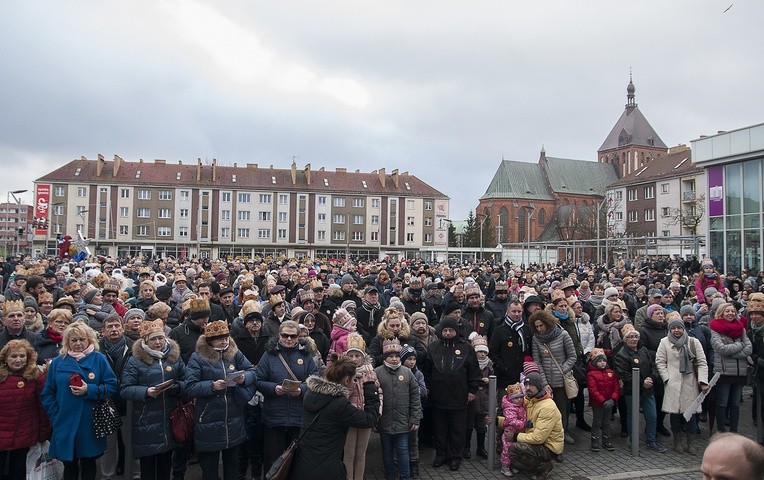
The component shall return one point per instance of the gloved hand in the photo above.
(528, 424)
(609, 403)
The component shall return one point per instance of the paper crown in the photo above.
(515, 390)
(356, 342)
(148, 329)
(218, 328)
(392, 346)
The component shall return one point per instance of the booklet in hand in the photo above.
(231, 377)
(290, 385)
(164, 385)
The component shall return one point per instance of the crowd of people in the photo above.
(266, 352)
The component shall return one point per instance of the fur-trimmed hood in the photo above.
(386, 334)
(210, 355)
(36, 325)
(325, 387)
(143, 356)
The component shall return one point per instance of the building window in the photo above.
(375, 219)
(58, 210)
(339, 218)
(619, 215)
(164, 232)
(338, 235)
(321, 218)
(649, 192)
(264, 233)
(265, 198)
(409, 237)
(225, 197)
(143, 212)
(59, 191)
(281, 233)
(374, 236)
(81, 191)
(321, 235)
(123, 230)
(282, 217)
(264, 216)
(359, 202)
(144, 194)
(338, 201)
(619, 195)
(185, 195)
(428, 237)
(244, 197)
(409, 204)
(633, 216)
(410, 221)
(666, 233)
(142, 231)
(664, 188)
(283, 198)
(225, 214)
(124, 212)
(81, 210)
(358, 219)
(242, 215)
(165, 194)
(242, 232)
(322, 200)
(428, 222)
(665, 211)
(225, 232)
(358, 236)
(183, 232)
(374, 203)
(632, 194)
(164, 213)
(649, 214)
(428, 205)
(183, 213)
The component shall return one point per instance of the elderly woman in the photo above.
(281, 376)
(48, 341)
(682, 366)
(651, 332)
(215, 371)
(550, 341)
(77, 379)
(731, 348)
(316, 333)
(21, 384)
(609, 326)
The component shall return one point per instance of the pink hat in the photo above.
(529, 366)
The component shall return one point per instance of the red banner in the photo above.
(42, 206)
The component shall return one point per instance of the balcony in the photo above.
(688, 196)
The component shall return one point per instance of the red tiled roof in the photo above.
(673, 165)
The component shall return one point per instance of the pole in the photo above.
(759, 408)
(492, 408)
(599, 257)
(5, 236)
(127, 436)
(635, 389)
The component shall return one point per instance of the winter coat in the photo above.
(570, 326)
(405, 337)
(498, 308)
(186, 335)
(71, 416)
(219, 416)
(25, 334)
(46, 348)
(356, 387)
(703, 334)
(369, 319)
(283, 410)
(730, 354)
(339, 339)
(152, 431)
(118, 366)
(757, 353)
(563, 350)
(703, 282)
(451, 371)
(402, 406)
(514, 416)
(322, 342)
(481, 397)
(252, 348)
(651, 334)
(318, 456)
(642, 358)
(679, 390)
(480, 319)
(506, 351)
(20, 395)
(602, 385)
(547, 424)
(585, 333)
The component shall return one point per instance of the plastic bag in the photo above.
(41, 466)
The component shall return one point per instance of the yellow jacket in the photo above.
(547, 424)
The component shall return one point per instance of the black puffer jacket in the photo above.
(642, 358)
(451, 371)
(318, 456)
(186, 335)
(651, 334)
(46, 348)
(152, 433)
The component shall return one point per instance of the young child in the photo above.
(408, 359)
(515, 416)
(477, 409)
(602, 383)
(343, 324)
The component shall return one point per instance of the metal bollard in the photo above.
(759, 406)
(492, 407)
(127, 438)
(636, 384)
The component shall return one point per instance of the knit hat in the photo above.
(158, 310)
(31, 302)
(88, 297)
(686, 309)
(66, 301)
(451, 307)
(472, 289)
(307, 296)
(391, 347)
(536, 380)
(164, 292)
(397, 304)
(349, 305)
(347, 278)
(356, 342)
(529, 366)
(296, 312)
(199, 308)
(448, 322)
(710, 292)
(533, 299)
(13, 306)
(406, 352)
(480, 344)
(135, 312)
(343, 319)
(515, 390)
(218, 328)
(611, 291)
(597, 354)
(676, 323)
(627, 330)
(149, 329)
(652, 308)
(418, 316)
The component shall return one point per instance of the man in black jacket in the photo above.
(499, 302)
(508, 347)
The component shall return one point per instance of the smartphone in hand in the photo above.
(75, 380)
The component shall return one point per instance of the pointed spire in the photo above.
(630, 102)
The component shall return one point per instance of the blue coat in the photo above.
(71, 417)
(283, 410)
(219, 417)
(152, 431)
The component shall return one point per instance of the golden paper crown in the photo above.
(218, 328)
(147, 329)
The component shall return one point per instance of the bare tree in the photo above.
(689, 215)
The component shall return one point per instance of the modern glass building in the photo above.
(734, 164)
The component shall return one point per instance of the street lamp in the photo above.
(481, 234)
(448, 229)
(529, 217)
(599, 207)
(13, 194)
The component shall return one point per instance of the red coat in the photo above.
(602, 385)
(24, 421)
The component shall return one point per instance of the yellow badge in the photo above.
(20, 384)
(636, 360)
(609, 374)
(231, 367)
(400, 378)
(422, 310)
(482, 324)
(91, 376)
(328, 312)
(510, 344)
(168, 368)
(299, 361)
(458, 352)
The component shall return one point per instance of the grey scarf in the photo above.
(685, 355)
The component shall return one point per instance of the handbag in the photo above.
(571, 385)
(579, 372)
(41, 466)
(182, 421)
(106, 419)
(280, 468)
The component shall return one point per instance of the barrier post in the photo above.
(127, 437)
(492, 407)
(636, 387)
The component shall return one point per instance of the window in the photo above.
(619, 195)
(338, 201)
(264, 233)
(632, 216)
(264, 216)
(184, 195)
(322, 200)
(142, 231)
(59, 191)
(123, 230)
(124, 212)
(428, 205)
(666, 233)
(410, 221)
(632, 194)
(321, 218)
(282, 217)
(225, 214)
(428, 237)
(339, 219)
(144, 194)
(225, 197)
(375, 219)
(358, 219)
(164, 231)
(78, 227)
(283, 199)
(244, 197)
(409, 204)
(242, 214)
(164, 213)
(321, 235)
(281, 233)
(359, 202)
(242, 232)
(409, 237)
(649, 214)
(265, 198)
(374, 203)
(338, 235)
(619, 216)
(664, 188)
(358, 236)
(143, 212)
(225, 232)
(183, 232)
(165, 194)
(374, 236)
(81, 191)
(665, 211)
(184, 213)
(58, 210)
(649, 192)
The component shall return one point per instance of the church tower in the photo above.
(632, 142)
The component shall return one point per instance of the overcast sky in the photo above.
(442, 89)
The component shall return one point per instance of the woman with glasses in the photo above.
(77, 379)
(281, 376)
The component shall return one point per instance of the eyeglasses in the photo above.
(291, 336)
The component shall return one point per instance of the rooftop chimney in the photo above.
(198, 169)
(99, 165)
(294, 173)
(214, 168)
(117, 163)
(394, 176)
(307, 173)
(382, 177)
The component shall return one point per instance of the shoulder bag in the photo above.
(571, 385)
(106, 419)
(280, 468)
